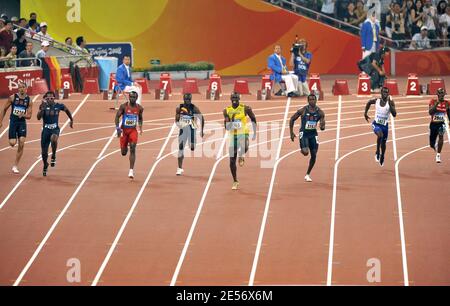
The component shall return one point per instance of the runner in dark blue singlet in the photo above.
(310, 115)
(21, 110)
(49, 113)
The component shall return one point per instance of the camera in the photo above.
(296, 49)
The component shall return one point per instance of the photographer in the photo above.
(301, 60)
(373, 65)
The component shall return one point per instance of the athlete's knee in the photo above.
(133, 148)
(124, 151)
(305, 152)
(12, 142)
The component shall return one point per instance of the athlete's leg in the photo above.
(19, 150)
(233, 156)
(192, 139)
(12, 134)
(54, 142)
(441, 138)
(182, 139)
(124, 143)
(12, 142)
(433, 136)
(313, 147)
(132, 154)
(45, 142)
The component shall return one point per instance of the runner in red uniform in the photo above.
(438, 108)
(131, 114)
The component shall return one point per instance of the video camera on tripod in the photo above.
(299, 46)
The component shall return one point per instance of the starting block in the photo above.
(66, 82)
(434, 85)
(90, 86)
(144, 86)
(314, 85)
(39, 87)
(63, 93)
(241, 87)
(190, 86)
(215, 87)
(363, 84)
(165, 87)
(392, 85)
(413, 86)
(340, 88)
(266, 89)
(110, 94)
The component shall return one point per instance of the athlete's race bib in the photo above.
(19, 111)
(310, 125)
(51, 126)
(439, 117)
(186, 120)
(382, 121)
(236, 125)
(130, 121)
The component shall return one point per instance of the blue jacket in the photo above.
(367, 35)
(122, 77)
(273, 63)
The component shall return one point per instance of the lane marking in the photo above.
(338, 130)
(167, 141)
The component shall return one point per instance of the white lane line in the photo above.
(74, 113)
(114, 134)
(222, 145)
(448, 130)
(338, 130)
(333, 205)
(266, 209)
(394, 142)
(167, 141)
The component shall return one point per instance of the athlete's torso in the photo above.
(19, 106)
(382, 113)
(130, 117)
(50, 116)
(441, 110)
(310, 120)
(188, 118)
(239, 126)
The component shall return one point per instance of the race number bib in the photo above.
(310, 125)
(236, 125)
(19, 111)
(186, 120)
(439, 117)
(130, 121)
(382, 121)
(51, 126)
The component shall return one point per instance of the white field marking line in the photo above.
(105, 147)
(400, 215)
(130, 213)
(59, 150)
(448, 130)
(222, 145)
(266, 209)
(338, 130)
(269, 198)
(166, 141)
(61, 215)
(7, 127)
(333, 205)
(394, 142)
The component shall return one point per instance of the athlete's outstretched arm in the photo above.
(117, 120)
(141, 118)
(5, 108)
(292, 121)
(69, 114)
(322, 120)
(392, 107)
(251, 115)
(369, 103)
(202, 120)
(227, 120)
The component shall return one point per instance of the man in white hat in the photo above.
(44, 49)
(421, 40)
(43, 35)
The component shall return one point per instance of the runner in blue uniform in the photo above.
(310, 115)
(49, 113)
(21, 110)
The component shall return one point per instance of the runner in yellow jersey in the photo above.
(236, 124)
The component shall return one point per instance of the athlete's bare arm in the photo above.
(29, 112)
(198, 113)
(294, 118)
(251, 115)
(117, 119)
(5, 109)
(69, 114)
(392, 108)
(227, 120)
(369, 103)
(322, 120)
(141, 118)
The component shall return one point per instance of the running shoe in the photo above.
(53, 161)
(308, 178)
(279, 93)
(131, 174)
(179, 171)
(377, 157)
(438, 158)
(15, 170)
(235, 186)
(381, 160)
(44, 171)
(241, 161)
